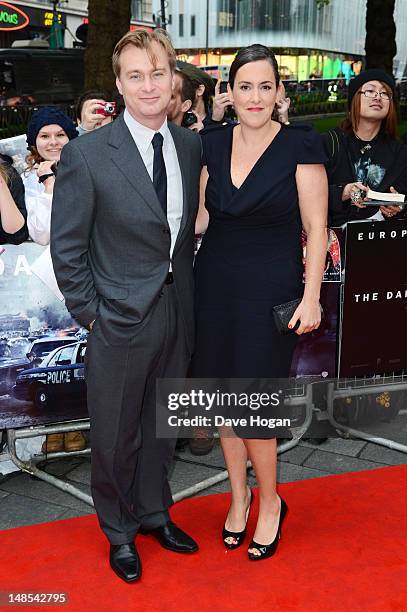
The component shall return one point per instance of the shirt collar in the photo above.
(143, 135)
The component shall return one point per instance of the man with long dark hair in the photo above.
(364, 151)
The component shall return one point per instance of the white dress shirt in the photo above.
(143, 136)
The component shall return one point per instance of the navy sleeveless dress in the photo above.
(251, 257)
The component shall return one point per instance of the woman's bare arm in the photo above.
(202, 218)
(312, 186)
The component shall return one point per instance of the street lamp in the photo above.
(207, 31)
(55, 38)
(161, 14)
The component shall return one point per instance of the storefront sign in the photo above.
(49, 18)
(40, 18)
(12, 18)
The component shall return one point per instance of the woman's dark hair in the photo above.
(253, 53)
(4, 172)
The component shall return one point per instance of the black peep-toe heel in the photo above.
(239, 536)
(268, 550)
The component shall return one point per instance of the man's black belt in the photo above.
(170, 279)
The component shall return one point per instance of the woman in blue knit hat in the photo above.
(48, 131)
(365, 153)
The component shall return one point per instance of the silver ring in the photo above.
(356, 196)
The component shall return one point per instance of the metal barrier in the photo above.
(345, 388)
(31, 466)
(302, 395)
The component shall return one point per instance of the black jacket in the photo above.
(340, 172)
(16, 188)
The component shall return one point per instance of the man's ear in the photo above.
(201, 90)
(186, 106)
(119, 86)
(280, 92)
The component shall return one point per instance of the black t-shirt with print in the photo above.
(371, 160)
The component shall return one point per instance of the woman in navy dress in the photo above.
(261, 182)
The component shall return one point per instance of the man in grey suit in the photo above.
(122, 228)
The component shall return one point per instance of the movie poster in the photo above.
(373, 337)
(315, 356)
(41, 348)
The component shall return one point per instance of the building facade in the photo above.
(307, 41)
(71, 15)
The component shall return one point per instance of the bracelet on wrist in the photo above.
(44, 177)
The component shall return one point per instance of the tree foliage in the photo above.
(108, 21)
(380, 45)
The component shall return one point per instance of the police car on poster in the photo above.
(59, 377)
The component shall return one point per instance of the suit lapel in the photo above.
(184, 164)
(125, 155)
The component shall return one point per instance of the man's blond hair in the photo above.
(144, 40)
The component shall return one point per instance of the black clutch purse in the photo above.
(283, 314)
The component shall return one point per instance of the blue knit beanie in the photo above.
(49, 115)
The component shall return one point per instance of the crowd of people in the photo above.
(119, 208)
(363, 151)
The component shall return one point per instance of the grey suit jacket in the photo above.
(110, 239)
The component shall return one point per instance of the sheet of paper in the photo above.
(392, 198)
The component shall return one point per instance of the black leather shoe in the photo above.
(124, 560)
(173, 538)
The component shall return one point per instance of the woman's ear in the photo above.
(230, 92)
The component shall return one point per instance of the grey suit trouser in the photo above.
(129, 478)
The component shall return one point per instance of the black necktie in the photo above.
(159, 172)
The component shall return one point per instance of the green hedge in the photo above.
(313, 97)
(318, 108)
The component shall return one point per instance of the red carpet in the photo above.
(344, 548)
